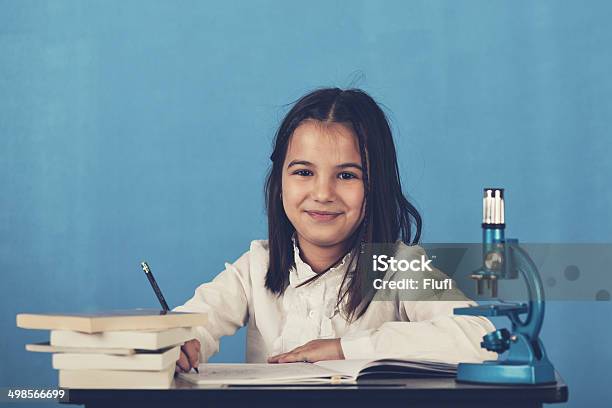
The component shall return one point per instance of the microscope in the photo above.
(522, 359)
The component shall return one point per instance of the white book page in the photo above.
(234, 374)
(349, 368)
(354, 367)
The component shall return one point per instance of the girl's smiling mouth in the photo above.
(322, 216)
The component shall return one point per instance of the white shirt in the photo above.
(403, 329)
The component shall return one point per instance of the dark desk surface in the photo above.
(417, 392)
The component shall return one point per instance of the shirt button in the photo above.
(311, 313)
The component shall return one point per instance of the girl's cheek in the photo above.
(292, 197)
(295, 190)
(353, 196)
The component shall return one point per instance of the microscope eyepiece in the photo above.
(493, 208)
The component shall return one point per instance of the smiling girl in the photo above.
(333, 187)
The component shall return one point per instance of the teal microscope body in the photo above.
(524, 360)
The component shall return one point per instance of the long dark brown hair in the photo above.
(388, 214)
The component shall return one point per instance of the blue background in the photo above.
(141, 130)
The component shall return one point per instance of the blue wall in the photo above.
(141, 130)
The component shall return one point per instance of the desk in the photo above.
(416, 392)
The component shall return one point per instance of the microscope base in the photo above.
(504, 372)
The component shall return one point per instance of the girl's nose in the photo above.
(323, 191)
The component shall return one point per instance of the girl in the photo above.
(334, 185)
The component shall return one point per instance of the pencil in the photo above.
(158, 292)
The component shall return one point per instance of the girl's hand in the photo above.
(190, 356)
(315, 350)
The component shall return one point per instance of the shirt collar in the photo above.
(303, 272)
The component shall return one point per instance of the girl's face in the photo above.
(322, 183)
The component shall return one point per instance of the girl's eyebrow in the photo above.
(307, 163)
(345, 165)
(300, 162)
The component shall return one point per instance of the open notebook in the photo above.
(322, 372)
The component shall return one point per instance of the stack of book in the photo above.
(119, 349)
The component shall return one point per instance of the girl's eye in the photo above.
(303, 172)
(346, 176)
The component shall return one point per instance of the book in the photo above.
(136, 319)
(144, 340)
(140, 361)
(114, 379)
(46, 347)
(330, 371)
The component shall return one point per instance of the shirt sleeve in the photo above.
(427, 330)
(225, 300)
(443, 337)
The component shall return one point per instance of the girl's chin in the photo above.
(324, 240)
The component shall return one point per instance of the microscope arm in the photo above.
(520, 260)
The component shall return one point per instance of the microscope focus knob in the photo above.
(497, 341)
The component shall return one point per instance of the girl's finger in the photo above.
(274, 359)
(293, 358)
(183, 362)
(192, 356)
(286, 359)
